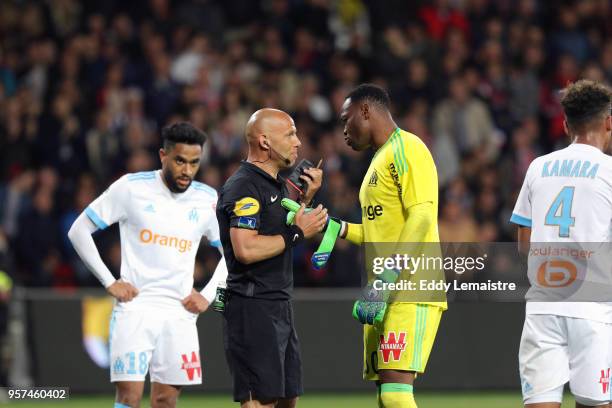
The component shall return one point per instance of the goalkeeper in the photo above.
(399, 201)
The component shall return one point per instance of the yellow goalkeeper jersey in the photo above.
(401, 174)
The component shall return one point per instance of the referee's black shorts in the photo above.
(262, 348)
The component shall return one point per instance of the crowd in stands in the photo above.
(85, 88)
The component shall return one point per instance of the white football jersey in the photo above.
(566, 200)
(160, 234)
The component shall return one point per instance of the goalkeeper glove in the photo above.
(330, 233)
(372, 313)
(372, 309)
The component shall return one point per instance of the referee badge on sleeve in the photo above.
(247, 222)
(246, 206)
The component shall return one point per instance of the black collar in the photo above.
(252, 167)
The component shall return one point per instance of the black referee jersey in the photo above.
(251, 199)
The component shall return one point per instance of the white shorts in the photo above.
(557, 349)
(160, 342)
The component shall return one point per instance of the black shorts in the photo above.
(262, 348)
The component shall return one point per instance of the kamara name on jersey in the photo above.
(570, 168)
(149, 237)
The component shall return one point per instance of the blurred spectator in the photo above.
(457, 225)
(462, 128)
(14, 200)
(103, 146)
(440, 17)
(163, 93)
(37, 244)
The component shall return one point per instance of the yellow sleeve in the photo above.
(354, 233)
(418, 224)
(417, 172)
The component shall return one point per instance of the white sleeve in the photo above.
(110, 206)
(521, 214)
(220, 275)
(212, 233)
(83, 243)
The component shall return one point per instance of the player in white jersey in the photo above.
(162, 216)
(566, 201)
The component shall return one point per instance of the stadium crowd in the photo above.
(85, 88)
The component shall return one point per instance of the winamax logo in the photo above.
(605, 380)
(191, 367)
(393, 346)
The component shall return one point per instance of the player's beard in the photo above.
(172, 182)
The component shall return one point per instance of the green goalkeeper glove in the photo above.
(330, 234)
(372, 313)
(372, 309)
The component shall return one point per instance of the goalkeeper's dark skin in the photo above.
(368, 124)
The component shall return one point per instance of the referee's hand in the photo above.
(122, 291)
(195, 302)
(311, 222)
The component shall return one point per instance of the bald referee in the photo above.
(261, 343)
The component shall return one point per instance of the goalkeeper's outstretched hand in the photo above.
(371, 310)
(366, 312)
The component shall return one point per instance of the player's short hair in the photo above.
(586, 100)
(182, 132)
(372, 93)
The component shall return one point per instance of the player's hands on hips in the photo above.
(122, 291)
(195, 302)
(313, 178)
(311, 222)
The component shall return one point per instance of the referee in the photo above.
(261, 343)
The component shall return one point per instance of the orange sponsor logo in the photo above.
(149, 237)
(557, 274)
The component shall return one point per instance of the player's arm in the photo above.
(220, 275)
(84, 245)
(521, 215)
(417, 185)
(420, 219)
(416, 182)
(250, 247)
(524, 240)
(107, 209)
(198, 302)
(352, 232)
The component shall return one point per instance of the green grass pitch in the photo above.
(425, 399)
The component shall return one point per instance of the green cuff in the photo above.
(321, 256)
(395, 387)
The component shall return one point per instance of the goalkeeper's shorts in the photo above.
(407, 336)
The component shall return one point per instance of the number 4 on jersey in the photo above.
(560, 212)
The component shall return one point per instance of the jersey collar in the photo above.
(584, 147)
(395, 131)
(166, 190)
(251, 167)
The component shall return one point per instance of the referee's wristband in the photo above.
(293, 235)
